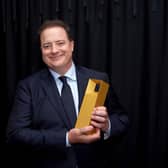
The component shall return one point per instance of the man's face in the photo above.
(56, 49)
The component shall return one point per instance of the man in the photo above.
(39, 120)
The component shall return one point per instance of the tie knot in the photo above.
(63, 79)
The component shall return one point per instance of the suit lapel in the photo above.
(82, 81)
(54, 97)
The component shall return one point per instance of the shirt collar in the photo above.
(70, 74)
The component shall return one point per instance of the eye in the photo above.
(46, 46)
(60, 43)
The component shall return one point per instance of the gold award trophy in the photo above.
(95, 95)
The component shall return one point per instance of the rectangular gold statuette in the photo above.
(95, 95)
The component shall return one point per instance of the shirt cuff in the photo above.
(107, 133)
(67, 141)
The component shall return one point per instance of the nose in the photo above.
(54, 49)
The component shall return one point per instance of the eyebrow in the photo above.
(48, 42)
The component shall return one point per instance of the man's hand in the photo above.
(85, 135)
(100, 118)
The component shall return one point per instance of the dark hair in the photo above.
(56, 23)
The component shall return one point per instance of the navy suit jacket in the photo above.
(39, 124)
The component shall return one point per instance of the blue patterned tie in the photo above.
(67, 100)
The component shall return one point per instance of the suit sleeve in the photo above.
(118, 115)
(20, 129)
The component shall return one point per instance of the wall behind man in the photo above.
(126, 39)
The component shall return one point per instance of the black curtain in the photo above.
(128, 39)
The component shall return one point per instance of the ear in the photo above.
(72, 45)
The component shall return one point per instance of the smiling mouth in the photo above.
(56, 56)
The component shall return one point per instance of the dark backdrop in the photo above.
(126, 38)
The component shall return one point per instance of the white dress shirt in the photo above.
(72, 81)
